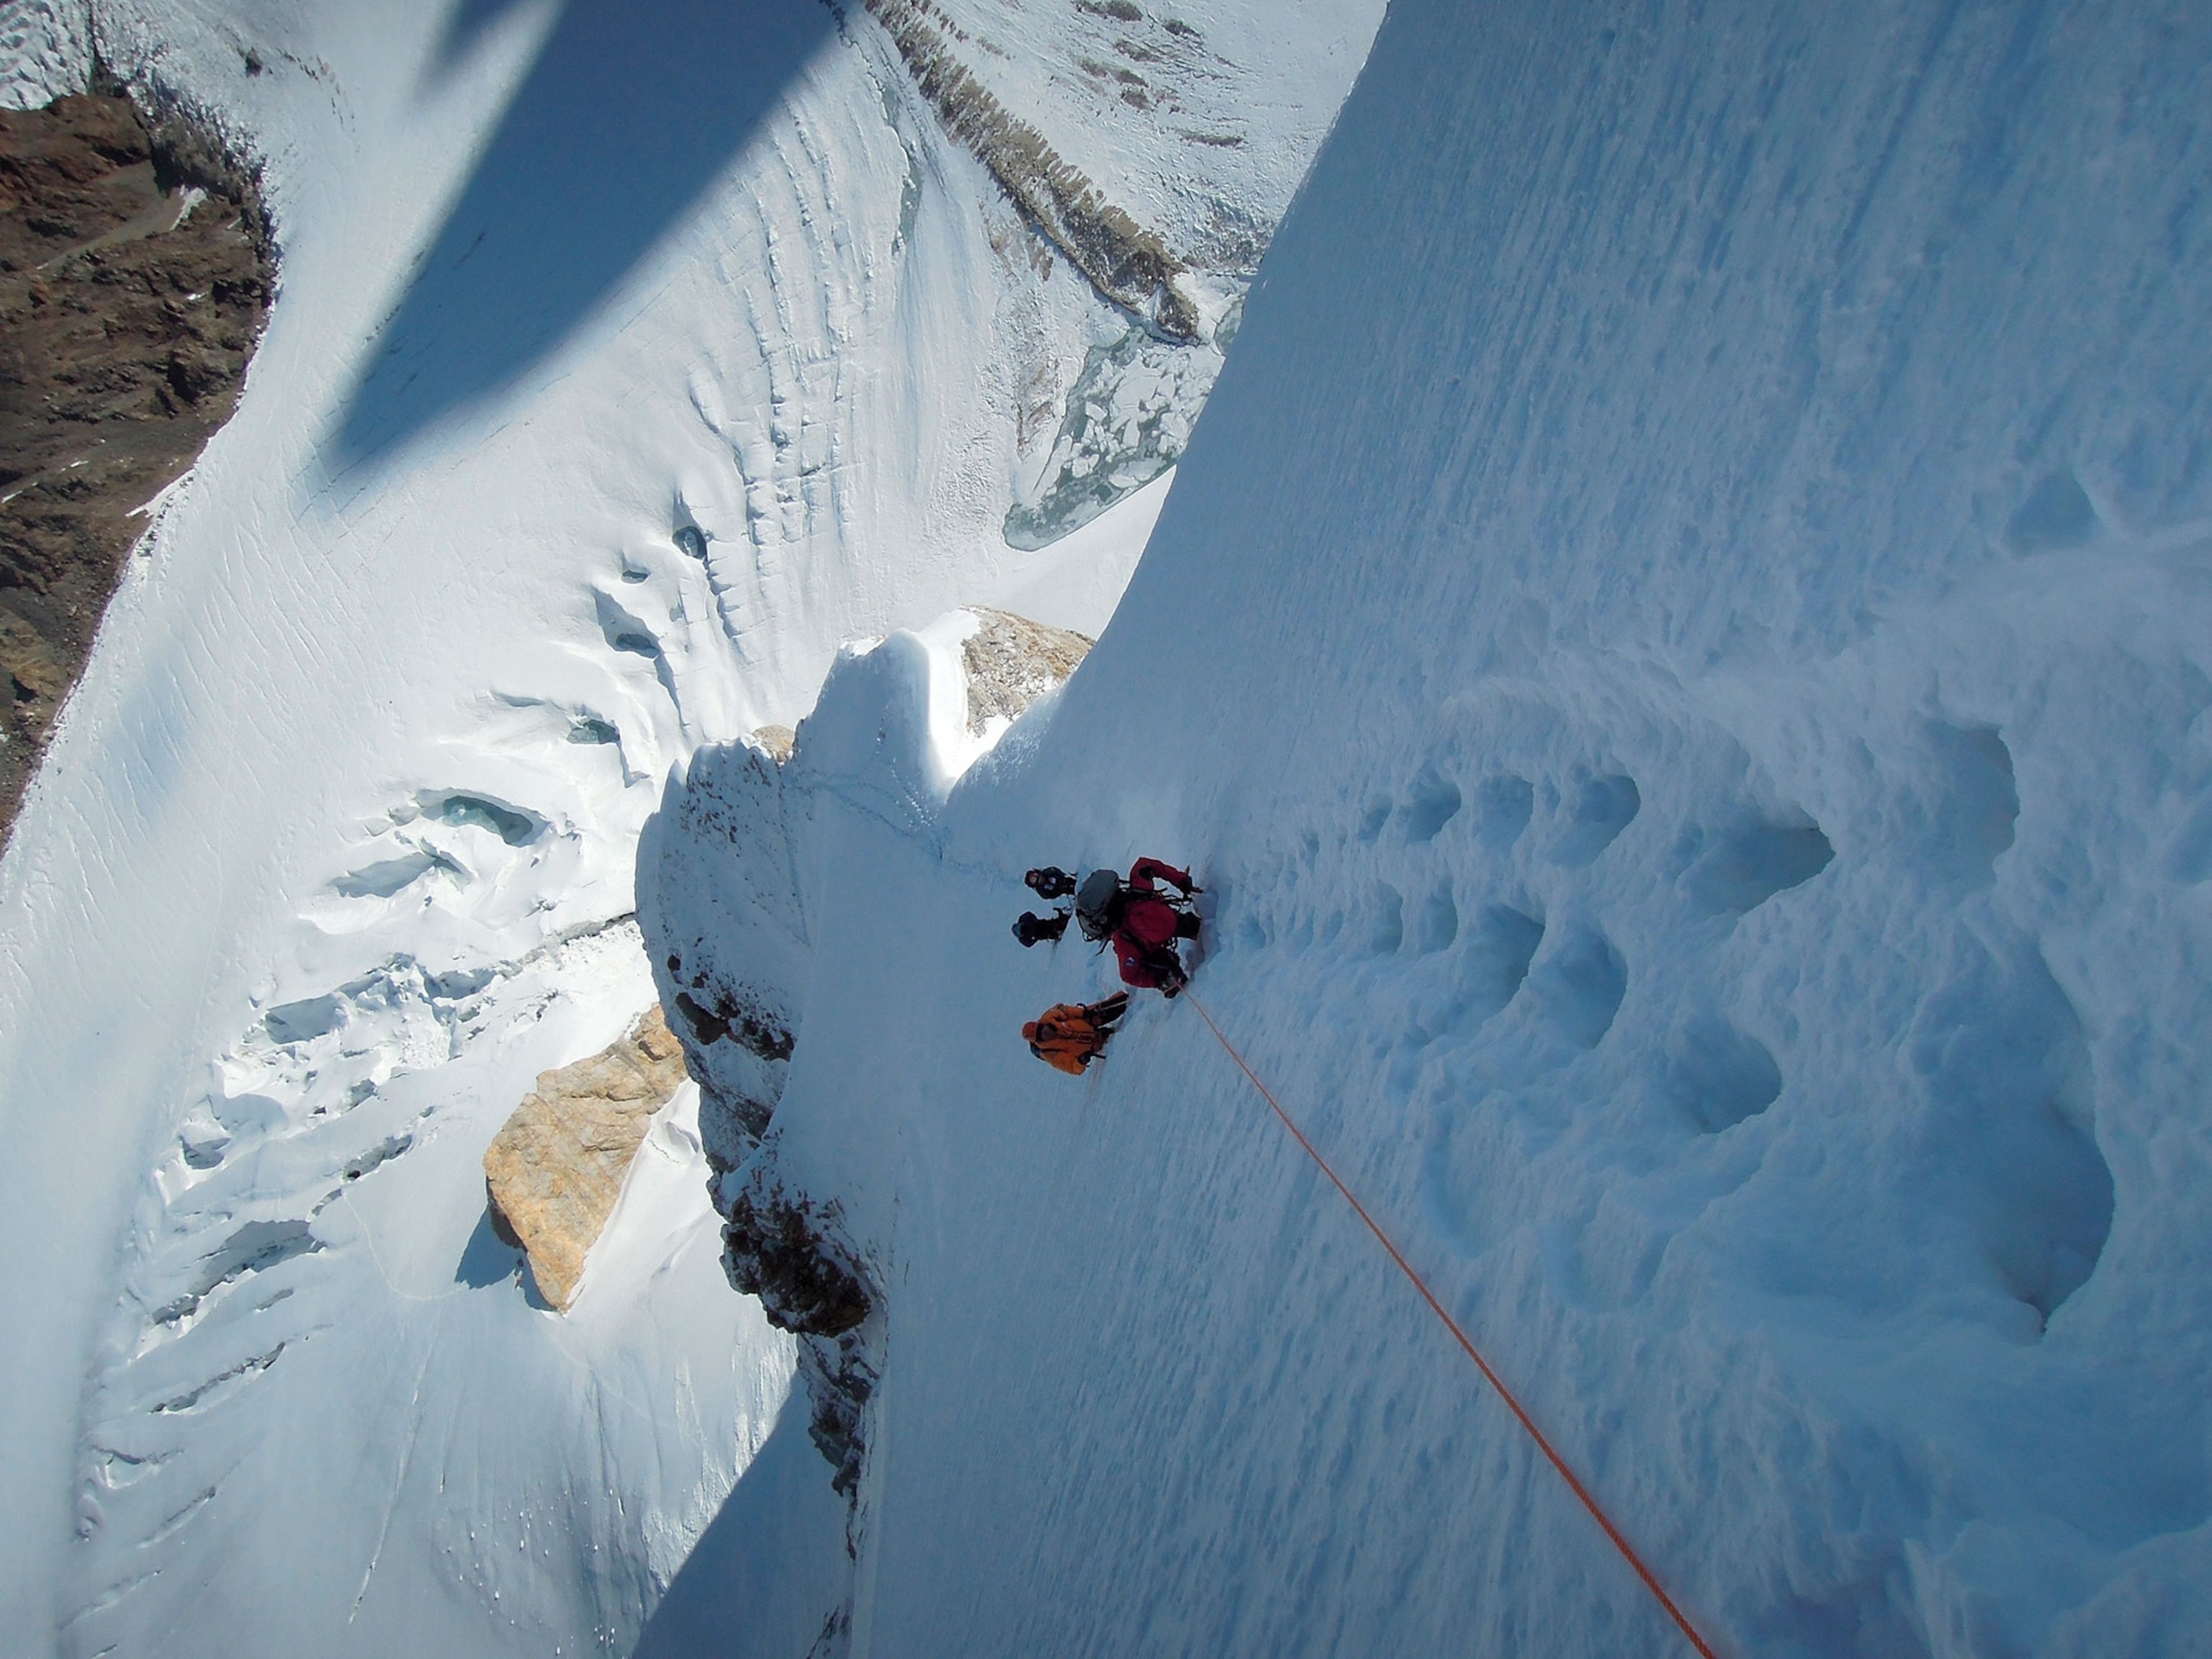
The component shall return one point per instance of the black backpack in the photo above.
(1098, 904)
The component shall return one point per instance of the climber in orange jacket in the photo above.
(1069, 1035)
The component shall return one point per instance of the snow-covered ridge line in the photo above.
(1126, 262)
(733, 875)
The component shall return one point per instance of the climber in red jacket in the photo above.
(1142, 923)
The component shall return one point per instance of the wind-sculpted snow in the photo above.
(46, 48)
(301, 1242)
(634, 113)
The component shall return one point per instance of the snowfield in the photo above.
(1679, 648)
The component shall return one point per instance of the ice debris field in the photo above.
(1653, 561)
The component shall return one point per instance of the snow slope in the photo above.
(626, 362)
(1679, 646)
(1192, 119)
(45, 51)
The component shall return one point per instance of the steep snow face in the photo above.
(627, 362)
(1679, 648)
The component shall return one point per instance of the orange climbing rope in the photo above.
(1597, 1513)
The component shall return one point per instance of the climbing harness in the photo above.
(1574, 1485)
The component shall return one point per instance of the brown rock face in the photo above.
(1013, 661)
(793, 1255)
(128, 309)
(553, 1174)
(777, 1248)
(1124, 262)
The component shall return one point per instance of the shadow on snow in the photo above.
(627, 117)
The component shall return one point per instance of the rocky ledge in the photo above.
(1013, 661)
(136, 268)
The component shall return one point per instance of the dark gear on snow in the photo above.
(1049, 883)
(1069, 1035)
(1029, 927)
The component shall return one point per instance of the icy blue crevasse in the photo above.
(1128, 416)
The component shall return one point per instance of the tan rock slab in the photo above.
(553, 1174)
(1013, 661)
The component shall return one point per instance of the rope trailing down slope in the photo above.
(1597, 1512)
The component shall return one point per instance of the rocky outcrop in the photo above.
(793, 1255)
(1013, 661)
(552, 1175)
(719, 900)
(840, 1379)
(777, 1248)
(135, 269)
(1126, 262)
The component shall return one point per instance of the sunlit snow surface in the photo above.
(1679, 648)
(44, 51)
